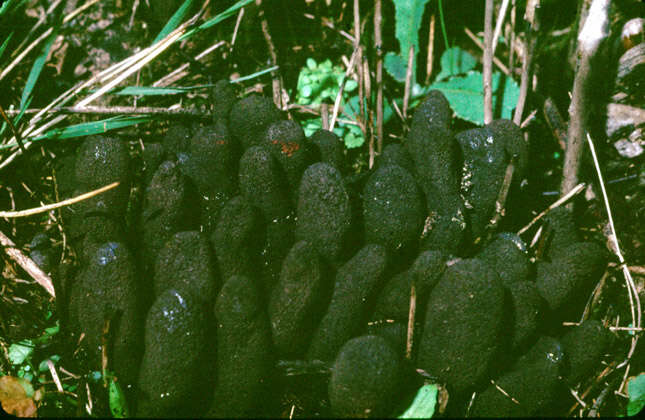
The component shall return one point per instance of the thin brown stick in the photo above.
(27, 264)
(48, 207)
(52, 370)
(277, 82)
(511, 45)
(430, 56)
(324, 115)
(503, 193)
(578, 188)
(369, 111)
(378, 44)
(498, 25)
(531, 17)
(488, 62)
(594, 31)
(480, 45)
(359, 60)
(411, 313)
(326, 22)
(408, 82)
(240, 15)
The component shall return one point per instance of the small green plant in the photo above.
(636, 391)
(424, 403)
(319, 83)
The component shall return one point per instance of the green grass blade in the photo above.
(37, 67)
(149, 91)
(87, 129)
(254, 75)
(4, 44)
(217, 19)
(174, 21)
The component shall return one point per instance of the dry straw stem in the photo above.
(114, 74)
(68, 202)
(480, 45)
(578, 188)
(498, 25)
(632, 292)
(181, 72)
(430, 55)
(172, 111)
(341, 89)
(27, 264)
(532, 17)
(408, 82)
(411, 313)
(488, 62)
(378, 45)
(594, 31)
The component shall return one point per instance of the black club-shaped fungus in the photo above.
(432, 146)
(328, 148)
(185, 263)
(559, 230)
(249, 117)
(568, 279)
(531, 387)
(106, 290)
(244, 351)
(528, 307)
(482, 175)
(223, 99)
(324, 213)
(285, 139)
(238, 238)
(510, 136)
(296, 299)
(176, 141)
(584, 346)
(507, 255)
(396, 154)
(172, 368)
(392, 208)
(463, 322)
(356, 283)
(365, 378)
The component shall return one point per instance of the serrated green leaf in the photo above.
(36, 68)
(174, 21)
(424, 403)
(20, 351)
(636, 391)
(118, 404)
(408, 15)
(455, 61)
(466, 96)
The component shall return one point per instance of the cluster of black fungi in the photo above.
(255, 245)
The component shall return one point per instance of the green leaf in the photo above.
(424, 403)
(175, 19)
(20, 351)
(396, 66)
(408, 15)
(118, 404)
(636, 391)
(36, 68)
(455, 61)
(466, 96)
(254, 75)
(149, 91)
(5, 43)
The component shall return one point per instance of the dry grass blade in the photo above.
(341, 89)
(68, 202)
(498, 25)
(488, 62)
(634, 300)
(578, 188)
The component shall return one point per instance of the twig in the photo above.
(578, 188)
(48, 207)
(503, 193)
(324, 114)
(359, 61)
(411, 313)
(369, 111)
(408, 82)
(27, 264)
(341, 89)
(532, 18)
(277, 79)
(512, 41)
(240, 15)
(632, 292)
(52, 370)
(594, 31)
(330, 25)
(488, 62)
(378, 44)
(430, 56)
(555, 122)
(498, 25)
(480, 45)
